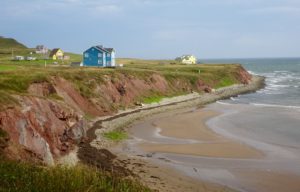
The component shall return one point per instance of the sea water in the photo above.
(282, 81)
(273, 113)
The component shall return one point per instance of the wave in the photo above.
(223, 103)
(252, 73)
(277, 106)
(279, 86)
(234, 98)
(281, 71)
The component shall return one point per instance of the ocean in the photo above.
(282, 81)
(273, 113)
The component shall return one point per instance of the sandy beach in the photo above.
(164, 178)
(183, 140)
(172, 148)
(191, 126)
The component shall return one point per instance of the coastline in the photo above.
(125, 118)
(237, 168)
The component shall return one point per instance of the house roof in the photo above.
(54, 51)
(187, 57)
(109, 49)
(101, 48)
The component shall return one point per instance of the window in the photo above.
(99, 54)
(86, 55)
(100, 61)
(108, 55)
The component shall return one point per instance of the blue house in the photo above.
(98, 56)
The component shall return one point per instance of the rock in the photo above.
(121, 89)
(42, 128)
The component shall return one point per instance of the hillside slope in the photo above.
(9, 43)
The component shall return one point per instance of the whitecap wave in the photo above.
(281, 71)
(274, 105)
(223, 103)
(234, 98)
(252, 73)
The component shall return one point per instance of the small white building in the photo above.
(187, 59)
(30, 58)
(41, 49)
(18, 58)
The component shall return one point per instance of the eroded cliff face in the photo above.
(51, 117)
(243, 76)
(45, 127)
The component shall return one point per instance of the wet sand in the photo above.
(164, 178)
(191, 126)
(181, 139)
(270, 181)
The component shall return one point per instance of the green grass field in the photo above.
(7, 67)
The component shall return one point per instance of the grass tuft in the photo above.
(153, 99)
(116, 135)
(227, 81)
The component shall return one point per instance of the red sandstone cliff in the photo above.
(50, 127)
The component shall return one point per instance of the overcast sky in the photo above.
(158, 29)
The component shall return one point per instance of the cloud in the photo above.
(34, 9)
(19, 9)
(287, 10)
(105, 9)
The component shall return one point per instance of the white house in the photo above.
(187, 59)
(41, 49)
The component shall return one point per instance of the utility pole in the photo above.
(12, 53)
(45, 58)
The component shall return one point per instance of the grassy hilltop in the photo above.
(9, 43)
(10, 46)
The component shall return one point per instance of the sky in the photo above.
(158, 29)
